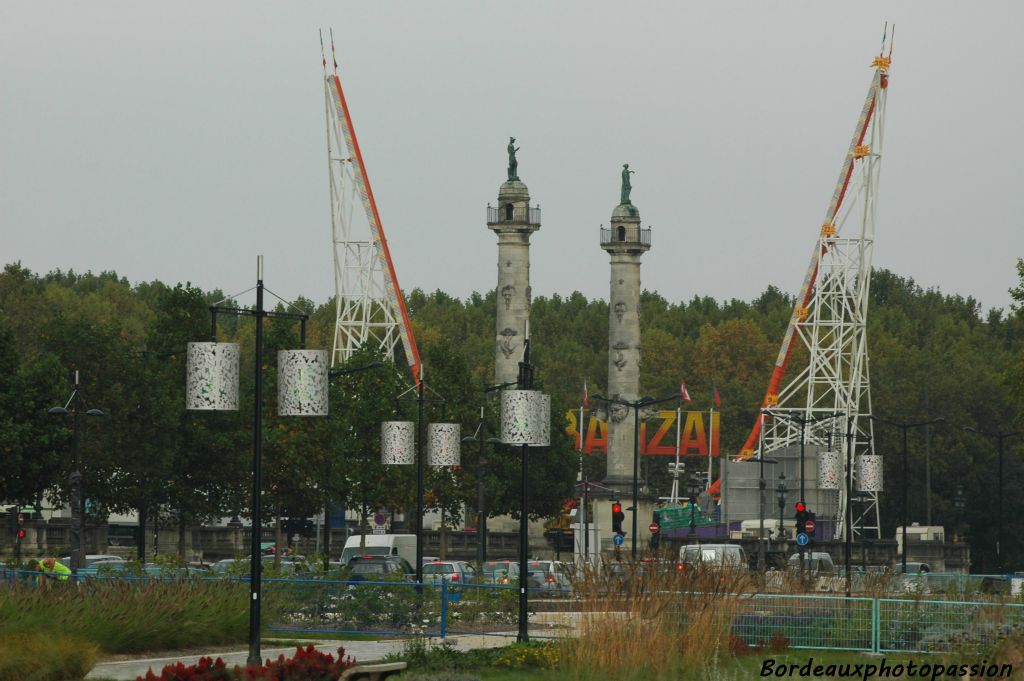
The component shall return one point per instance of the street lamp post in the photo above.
(212, 385)
(999, 436)
(780, 493)
(481, 500)
(693, 489)
(395, 452)
(525, 421)
(77, 491)
(636, 406)
(335, 373)
(804, 422)
(904, 427)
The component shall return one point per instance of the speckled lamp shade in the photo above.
(211, 382)
(302, 382)
(830, 470)
(444, 444)
(398, 443)
(525, 418)
(869, 473)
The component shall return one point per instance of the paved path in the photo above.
(363, 651)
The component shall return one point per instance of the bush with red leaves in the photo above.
(307, 664)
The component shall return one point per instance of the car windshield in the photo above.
(438, 569)
(369, 567)
(353, 551)
(729, 555)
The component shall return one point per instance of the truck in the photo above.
(403, 545)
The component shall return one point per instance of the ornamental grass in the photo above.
(122, 616)
(45, 656)
(650, 620)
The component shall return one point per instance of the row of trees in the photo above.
(931, 355)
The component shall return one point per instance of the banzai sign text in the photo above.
(693, 438)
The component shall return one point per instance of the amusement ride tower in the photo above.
(827, 402)
(369, 306)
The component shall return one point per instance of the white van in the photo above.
(403, 545)
(714, 555)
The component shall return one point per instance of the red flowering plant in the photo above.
(308, 664)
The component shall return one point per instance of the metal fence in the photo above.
(873, 624)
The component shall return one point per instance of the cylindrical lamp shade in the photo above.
(302, 383)
(398, 443)
(443, 444)
(830, 470)
(869, 473)
(211, 378)
(525, 418)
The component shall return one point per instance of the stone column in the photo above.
(626, 242)
(513, 220)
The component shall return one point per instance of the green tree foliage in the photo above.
(932, 355)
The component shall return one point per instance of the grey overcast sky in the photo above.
(177, 141)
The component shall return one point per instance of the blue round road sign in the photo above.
(802, 539)
(618, 540)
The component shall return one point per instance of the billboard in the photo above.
(657, 435)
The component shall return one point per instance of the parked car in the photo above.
(914, 568)
(551, 577)
(500, 572)
(452, 571)
(815, 563)
(93, 559)
(373, 568)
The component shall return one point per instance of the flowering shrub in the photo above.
(307, 664)
(535, 655)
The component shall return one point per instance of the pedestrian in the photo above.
(54, 569)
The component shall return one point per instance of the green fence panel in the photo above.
(924, 626)
(822, 622)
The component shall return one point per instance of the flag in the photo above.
(717, 397)
(685, 396)
(586, 395)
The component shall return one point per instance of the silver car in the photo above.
(452, 571)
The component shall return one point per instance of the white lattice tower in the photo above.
(829, 320)
(369, 306)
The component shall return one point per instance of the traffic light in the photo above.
(802, 516)
(617, 517)
(21, 526)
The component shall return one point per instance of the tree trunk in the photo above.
(181, 537)
(141, 543)
(442, 553)
(362, 528)
(278, 536)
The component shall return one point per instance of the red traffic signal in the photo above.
(21, 534)
(617, 517)
(801, 507)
